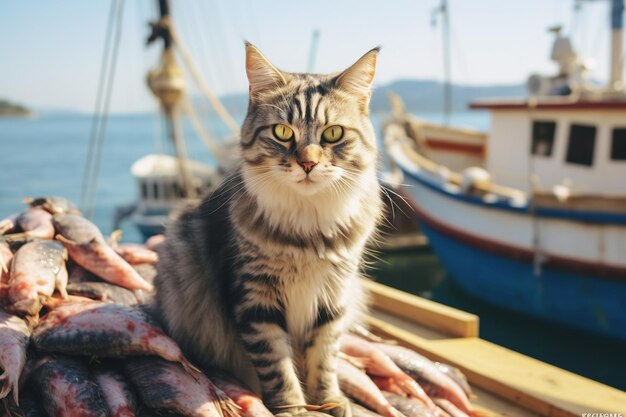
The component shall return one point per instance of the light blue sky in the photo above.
(50, 50)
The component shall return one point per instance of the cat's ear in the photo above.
(262, 75)
(359, 77)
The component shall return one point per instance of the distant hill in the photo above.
(418, 95)
(9, 109)
(427, 95)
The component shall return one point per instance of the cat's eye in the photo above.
(333, 134)
(283, 132)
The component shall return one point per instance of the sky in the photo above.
(50, 51)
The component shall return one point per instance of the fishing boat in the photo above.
(539, 224)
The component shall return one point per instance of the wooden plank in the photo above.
(535, 385)
(444, 319)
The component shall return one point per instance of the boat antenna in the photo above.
(167, 84)
(310, 66)
(443, 11)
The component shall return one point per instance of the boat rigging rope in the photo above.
(202, 132)
(96, 115)
(197, 76)
(101, 115)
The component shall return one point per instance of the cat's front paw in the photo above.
(343, 409)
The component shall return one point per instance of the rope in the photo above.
(95, 174)
(96, 115)
(197, 124)
(197, 76)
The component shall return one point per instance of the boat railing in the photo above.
(395, 135)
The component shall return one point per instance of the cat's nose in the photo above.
(307, 166)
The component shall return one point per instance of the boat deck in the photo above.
(505, 382)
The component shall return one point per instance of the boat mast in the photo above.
(616, 82)
(167, 84)
(447, 87)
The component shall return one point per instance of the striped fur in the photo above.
(263, 276)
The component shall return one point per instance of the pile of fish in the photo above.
(77, 337)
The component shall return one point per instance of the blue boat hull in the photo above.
(591, 303)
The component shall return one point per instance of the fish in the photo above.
(68, 389)
(450, 408)
(53, 205)
(136, 254)
(29, 406)
(14, 337)
(55, 301)
(6, 255)
(166, 385)
(153, 242)
(8, 224)
(357, 385)
(250, 405)
(87, 247)
(119, 396)
(37, 269)
(410, 407)
(147, 271)
(360, 411)
(376, 362)
(35, 223)
(362, 332)
(105, 330)
(103, 291)
(79, 274)
(388, 384)
(426, 373)
(456, 375)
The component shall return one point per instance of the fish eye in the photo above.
(282, 132)
(333, 134)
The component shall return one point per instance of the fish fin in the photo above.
(5, 386)
(16, 393)
(322, 408)
(227, 407)
(191, 369)
(65, 240)
(359, 362)
(63, 291)
(364, 333)
(115, 237)
(16, 237)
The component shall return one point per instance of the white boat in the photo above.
(540, 226)
(159, 190)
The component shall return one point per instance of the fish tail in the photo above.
(16, 393)
(65, 240)
(5, 386)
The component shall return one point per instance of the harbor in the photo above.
(496, 278)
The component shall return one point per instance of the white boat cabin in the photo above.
(555, 141)
(159, 184)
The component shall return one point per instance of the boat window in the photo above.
(582, 139)
(618, 144)
(167, 190)
(144, 190)
(543, 138)
(155, 190)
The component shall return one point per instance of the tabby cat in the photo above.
(263, 276)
